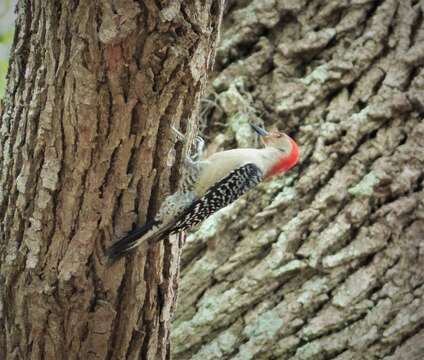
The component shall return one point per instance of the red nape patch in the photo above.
(286, 162)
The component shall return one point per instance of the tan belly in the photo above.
(220, 164)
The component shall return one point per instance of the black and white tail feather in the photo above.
(130, 241)
(223, 193)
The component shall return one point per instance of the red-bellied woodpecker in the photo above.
(212, 184)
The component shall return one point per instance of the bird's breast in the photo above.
(220, 164)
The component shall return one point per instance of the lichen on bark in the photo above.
(324, 263)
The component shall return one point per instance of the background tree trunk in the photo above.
(326, 262)
(86, 151)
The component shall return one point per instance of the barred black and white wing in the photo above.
(223, 193)
(189, 212)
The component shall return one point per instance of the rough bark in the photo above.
(326, 262)
(86, 151)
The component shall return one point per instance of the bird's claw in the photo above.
(200, 145)
(178, 134)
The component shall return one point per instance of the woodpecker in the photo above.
(212, 184)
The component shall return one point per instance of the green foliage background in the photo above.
(7, 16)
(5, 39)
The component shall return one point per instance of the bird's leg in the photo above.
(178, 134)
(199, 147)
(192, 163)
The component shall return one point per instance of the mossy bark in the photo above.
(326, 262)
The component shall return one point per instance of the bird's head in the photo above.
(290, 152)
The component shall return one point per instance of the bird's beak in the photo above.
(259, 131)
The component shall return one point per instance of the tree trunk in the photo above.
(326, 262)
(86, 151)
